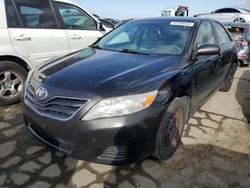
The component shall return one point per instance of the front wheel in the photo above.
(12, 80)
(171, 129)
(240, 63)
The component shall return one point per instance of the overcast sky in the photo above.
(152, 8)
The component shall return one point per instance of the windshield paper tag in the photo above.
(186, 24)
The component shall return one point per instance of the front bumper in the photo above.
(113, 141)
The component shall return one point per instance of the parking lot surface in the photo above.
(215, 152)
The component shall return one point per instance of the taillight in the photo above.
(248, 41)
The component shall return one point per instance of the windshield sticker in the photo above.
(186, 24)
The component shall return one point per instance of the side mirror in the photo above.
(100, 27)
(208, 49)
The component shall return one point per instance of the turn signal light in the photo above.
(149, 100)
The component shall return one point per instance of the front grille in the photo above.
(61, 108)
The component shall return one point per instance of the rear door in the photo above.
(80, 27)
(226, 46)
(208, 68)
(34, 30)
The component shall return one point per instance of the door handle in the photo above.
(22, 38)
(75, 36)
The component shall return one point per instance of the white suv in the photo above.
(35, 31)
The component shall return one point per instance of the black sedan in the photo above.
(130, 94)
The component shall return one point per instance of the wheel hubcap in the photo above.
(172, 132)
(239, 20)
(11, 84)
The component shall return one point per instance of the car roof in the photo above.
(242, 10)
(179, 19)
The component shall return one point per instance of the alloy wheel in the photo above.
(239, 20)
(11, 84)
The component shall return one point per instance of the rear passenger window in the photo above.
(205, 35)
(36, 14)
(222, 34)
(12, 18)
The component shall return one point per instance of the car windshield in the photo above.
(151, 37)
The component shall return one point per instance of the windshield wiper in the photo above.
(126, 50)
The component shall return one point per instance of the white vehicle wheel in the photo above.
(240, 20)
(12, 79)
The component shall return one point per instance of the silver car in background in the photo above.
(237, 15)
(240, 33)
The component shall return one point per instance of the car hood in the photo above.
(107, 73)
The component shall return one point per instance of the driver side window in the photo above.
(205, 35)
(75, 18)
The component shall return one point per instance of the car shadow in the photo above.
(243, 93)
(208, 157)
(191, 166)
(25, 161)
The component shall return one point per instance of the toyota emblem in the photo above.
(42, 93)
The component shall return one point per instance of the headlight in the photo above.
(120, 106)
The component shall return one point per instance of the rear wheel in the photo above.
(12, 79)
(229, 81)
(171, 130)
(239, 20)
(240, 63)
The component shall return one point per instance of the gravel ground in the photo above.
(215, 152)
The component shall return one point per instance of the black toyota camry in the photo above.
(130, 94)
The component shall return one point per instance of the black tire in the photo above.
(16, 74)
(240, 63)
(171, 129)
(229, 80)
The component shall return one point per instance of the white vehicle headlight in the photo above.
(119, 106)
